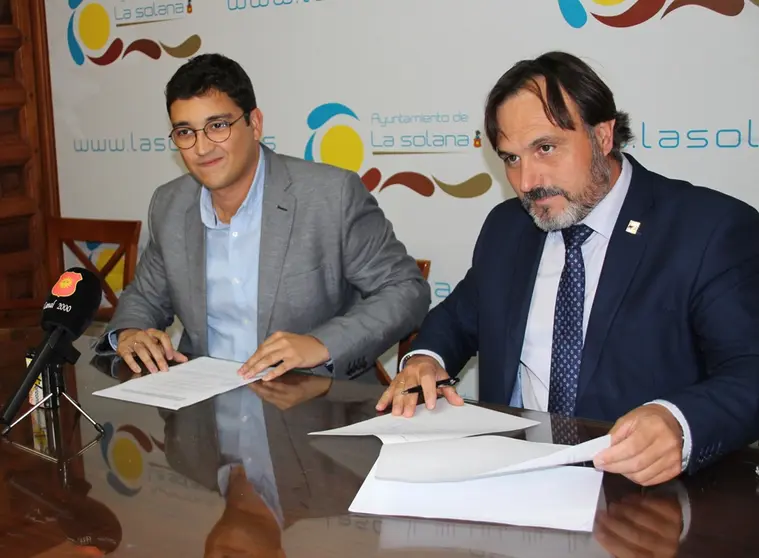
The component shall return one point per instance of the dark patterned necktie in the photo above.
(566, 353)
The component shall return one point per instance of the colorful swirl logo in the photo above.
(640, 11)
(340, 145)
(90, 28)
(124, 450)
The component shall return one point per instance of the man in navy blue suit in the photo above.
(604, 290)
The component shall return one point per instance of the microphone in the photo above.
(72, 302)
(67, 313)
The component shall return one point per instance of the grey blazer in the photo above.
(330, 266)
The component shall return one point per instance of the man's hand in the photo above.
(291, 390)
(641, 525)
(646, 446)
(152, 347)
(419, 370)
(285, 351)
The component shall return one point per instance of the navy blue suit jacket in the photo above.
(675, 316)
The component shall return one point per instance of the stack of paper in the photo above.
(438, 465)
(558, 498)
(182, 385)
(451, 460)
(445, 421)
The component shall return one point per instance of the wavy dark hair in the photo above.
(211, 72)
(566, 73)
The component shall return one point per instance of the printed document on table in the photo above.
(452, 460)
(182, 385)
(445, 421)
(560, 498)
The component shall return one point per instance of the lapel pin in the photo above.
(632, 227)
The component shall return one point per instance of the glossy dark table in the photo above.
(152, 485)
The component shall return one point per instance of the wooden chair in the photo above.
(404, 346)
(66, 232)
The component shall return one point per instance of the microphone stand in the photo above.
(55, 441)
(54, 387)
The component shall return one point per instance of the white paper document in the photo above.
(182, 385)
(472, 458)
(445, 421)
(560, 498)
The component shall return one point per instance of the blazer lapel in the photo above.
(277, 220)
(622, 258)
(522, 284)
(196, 271)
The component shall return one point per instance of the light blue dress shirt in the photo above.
(232, 252)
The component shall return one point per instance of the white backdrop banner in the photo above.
(395, 90)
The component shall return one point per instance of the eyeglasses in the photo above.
(218, 131)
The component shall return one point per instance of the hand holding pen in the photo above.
(421, 374)
(440, 383)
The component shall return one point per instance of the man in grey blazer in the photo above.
(265, 259)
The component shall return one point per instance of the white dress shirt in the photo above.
(535, 363)
(534, 374)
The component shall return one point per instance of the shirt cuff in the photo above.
(687, 440)
(434, 355)
(113, 339)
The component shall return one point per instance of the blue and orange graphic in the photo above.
(640, 11)
(124, 451)
(342, 146)
(91, 28)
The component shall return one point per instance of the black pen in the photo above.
(442, 383)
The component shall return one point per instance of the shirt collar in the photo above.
(207, 211)
(603, 217)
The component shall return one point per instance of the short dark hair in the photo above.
(211, 72)
(561, 72)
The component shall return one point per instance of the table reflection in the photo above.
(238, 475)
(649, 524)
(225, 443)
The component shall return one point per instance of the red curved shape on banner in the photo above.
(725, 7)
(110, 55)
(371, 178)
(641, 11)
(138, 435)
(147, 47)
(412, 180)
